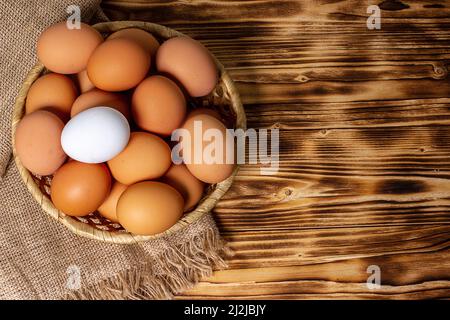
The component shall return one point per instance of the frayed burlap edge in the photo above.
(180, 268)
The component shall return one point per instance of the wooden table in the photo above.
(364, 118)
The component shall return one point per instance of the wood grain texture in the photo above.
(364, 119)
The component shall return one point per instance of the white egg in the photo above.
(95, 135)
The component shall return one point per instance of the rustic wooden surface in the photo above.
(365, 144)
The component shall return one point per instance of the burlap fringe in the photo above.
(182, 267)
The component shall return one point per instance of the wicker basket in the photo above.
(224, 99)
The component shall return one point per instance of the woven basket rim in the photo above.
(86, 230)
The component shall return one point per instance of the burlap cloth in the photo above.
(39, 258)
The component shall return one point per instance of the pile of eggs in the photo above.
(100, 122)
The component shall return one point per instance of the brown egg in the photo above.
(96, 98)
(80, 188)
(179, 177)
(145, 157)
(198, 111)
(53, 92)
(158, 105)
(65, 50)
(38, 142)
(108, 207)
(209, 167)
(84, 83)
(210, 112)
(118, 64)
(143, 38)
(190, 63)
(149, 207)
